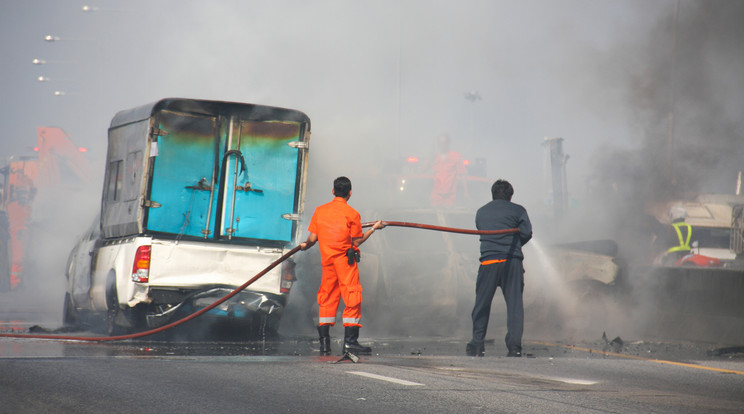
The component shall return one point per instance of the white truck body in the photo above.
(198, 197)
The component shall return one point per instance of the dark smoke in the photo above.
(380, 80)
(696, 81)
(685, 93)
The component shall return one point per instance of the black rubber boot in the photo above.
(325, 339)
(472, 349)
(351, 335)
(515, 352)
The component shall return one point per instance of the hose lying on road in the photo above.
(164, 327)
(240, 288)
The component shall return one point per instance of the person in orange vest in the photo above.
(337, 228)
(449, 171)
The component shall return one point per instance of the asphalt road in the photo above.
(416, 375)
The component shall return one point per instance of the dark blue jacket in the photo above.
(500, 215)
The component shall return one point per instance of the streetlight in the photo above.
(38, 61)
(63, 93)
(52, 38)
(95, 9)
(48, 79)
(472, 96)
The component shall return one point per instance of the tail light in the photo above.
(288, 276)
(141, 265)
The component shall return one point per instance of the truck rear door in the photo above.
(225, 178)
(261, 188)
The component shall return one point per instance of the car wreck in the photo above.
(198, 197)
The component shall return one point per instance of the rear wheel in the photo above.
(114, 313)
(70, 316)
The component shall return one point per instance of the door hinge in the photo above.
(290, 216)
(299, 144)
(157, 132)
(151, 204)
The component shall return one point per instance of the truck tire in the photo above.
(114, 313)
(70, 316)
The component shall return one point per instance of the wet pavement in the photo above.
(307, 345)
(404, 374)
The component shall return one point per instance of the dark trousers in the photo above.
(510, 277)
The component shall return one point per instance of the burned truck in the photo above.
(198, 197)
(716, 222)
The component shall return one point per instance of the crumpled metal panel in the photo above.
(138, 294)
(193, 265)
(239, 306)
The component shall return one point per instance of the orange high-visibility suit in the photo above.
(448, 168)
(336, 223)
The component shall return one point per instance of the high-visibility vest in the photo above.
(684, 242)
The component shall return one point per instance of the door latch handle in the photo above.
(247, 187)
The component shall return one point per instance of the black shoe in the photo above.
(475, 350)
(351, 334)
(325, 339)
(515, 352)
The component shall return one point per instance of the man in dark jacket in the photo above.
(501, 265)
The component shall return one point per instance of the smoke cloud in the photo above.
(381, 80)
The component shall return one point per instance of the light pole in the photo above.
(472, 96)
(558, 174)
(670, 116)
(39, 62)
(96, 9)
(48, 79)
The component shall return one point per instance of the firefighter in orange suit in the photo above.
(449, 171)
(337, 227)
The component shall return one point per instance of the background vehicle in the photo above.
(717, 226)
(30, 184)
(198, 197)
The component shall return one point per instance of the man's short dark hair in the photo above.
(502, 190)
(341, 187)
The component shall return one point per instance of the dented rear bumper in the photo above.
(243, 306)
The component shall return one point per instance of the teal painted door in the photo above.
(189, 197)
(261, 190)
(182, 177)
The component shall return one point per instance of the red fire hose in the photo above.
(440, 228)
(164, 327)
(241, 287)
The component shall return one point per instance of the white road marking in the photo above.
(383, 378)
(575, 381)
